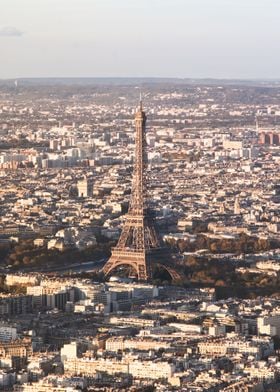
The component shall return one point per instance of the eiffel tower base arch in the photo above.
(141, 265)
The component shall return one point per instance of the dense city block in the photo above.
(67, 163)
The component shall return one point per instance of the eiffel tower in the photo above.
(139, 246)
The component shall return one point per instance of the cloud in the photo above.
(10, 31)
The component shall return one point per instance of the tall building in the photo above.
(69, 351)
(237, 209)
(85, 187)
(139, 247)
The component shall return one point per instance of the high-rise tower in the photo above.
(139, 246)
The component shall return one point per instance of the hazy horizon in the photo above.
(189, 39)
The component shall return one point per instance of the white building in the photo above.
(21, 279)
(69, 351)
(151, 370)
(269, 324)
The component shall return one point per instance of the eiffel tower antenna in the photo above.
(139, 246)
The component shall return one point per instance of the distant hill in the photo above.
(130, 81)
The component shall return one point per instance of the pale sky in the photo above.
(144, 38)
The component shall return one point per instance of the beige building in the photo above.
(138, 369)
(69, 351)
(17, 279)
(85, 188)
(269, 324)
(41, 387)
(151, 370)
(224, 347)
(88, 367)
(141, 322)
(232, 144)
(115, 344)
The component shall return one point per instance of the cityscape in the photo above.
(97, 187)
(139, 196)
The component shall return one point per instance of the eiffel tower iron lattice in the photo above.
(139, 246)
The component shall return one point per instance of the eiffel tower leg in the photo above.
(108, 267)
(139, 263)
(142, 272)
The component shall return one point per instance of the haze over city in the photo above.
(148, 38)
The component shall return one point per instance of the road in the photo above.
(88, 266)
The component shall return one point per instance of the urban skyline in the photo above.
(139, 239)
(66, 166)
